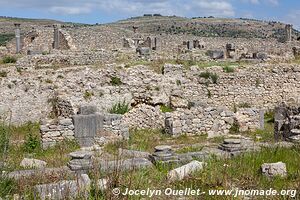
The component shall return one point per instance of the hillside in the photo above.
(206, 27)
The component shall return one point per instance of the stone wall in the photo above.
(249, 119)
(145, 116)
(53, 131)
(115, 124)
(199, 120)
(27, 93)
(85, 131)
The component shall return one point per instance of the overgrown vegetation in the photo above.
(119, 108)
(9, 59)
(32, 142)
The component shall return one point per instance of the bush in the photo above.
(119, 108)
(269, 116)
(213, 76)
(9, 59)
(4, 38)
(3, 74)
(205, 75)
(115, 81)
(235, 128)
(32, 143)
(88, 95)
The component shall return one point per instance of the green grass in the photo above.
(157, 65)
(119, 108)
(4, 38)
(115, 81)
(228, 69)
(9, 59)
(87, 95)
(165, 109)
(242, 171)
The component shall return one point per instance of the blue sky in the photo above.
(102, 11)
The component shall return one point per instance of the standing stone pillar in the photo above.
(288, 30)
(261, 119)
(18, 38)
(56, 36)
(157, 44)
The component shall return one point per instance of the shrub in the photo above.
(115, 81)
(48, 81)
(244, 105)
(32, 143)
(4, 38)
(213, 76)
(228, 69)
(165, 109)
(9, 59)
(3, 74)
(205, 75)
(269, 117)
(235, 127)
(119, 108)
(88, 95)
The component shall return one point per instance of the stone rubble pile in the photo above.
(287, 122)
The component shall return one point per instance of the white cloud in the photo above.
(293, 18)
(65, 10)
(268, 2)
(220, 8)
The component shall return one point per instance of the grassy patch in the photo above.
(228, 69)
(31, 147)
(119, 108)
(241, 171)
(208, 75)
(9, 59)
(4, 38)
(3, 74)
(115, 81)
(165, 109)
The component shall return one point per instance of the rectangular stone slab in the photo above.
(86, 126)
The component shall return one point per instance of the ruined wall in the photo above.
(199, 120)
(27, 93)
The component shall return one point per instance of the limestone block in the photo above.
(33, 163)
(185, 170)
(65, 189)
(274, 169)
